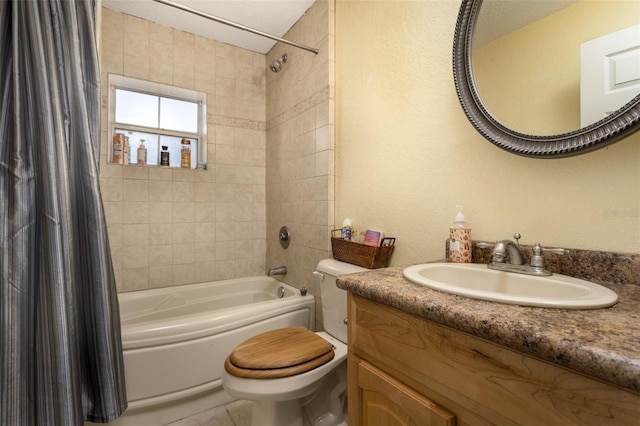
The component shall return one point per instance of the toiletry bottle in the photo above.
(127, 154)
(164, 157)
(185, 153)
(346, 229)
(460, 240)
(118, 142)
(142, 154)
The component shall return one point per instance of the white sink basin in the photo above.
(479, 282)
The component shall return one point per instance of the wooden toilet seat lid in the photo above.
(279, 353)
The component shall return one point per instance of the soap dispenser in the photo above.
(142, 154)
(460, 240)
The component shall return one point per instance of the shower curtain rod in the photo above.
(236, 25)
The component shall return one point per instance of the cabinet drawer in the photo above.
(388, 402)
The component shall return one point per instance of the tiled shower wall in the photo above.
(270, 158)
(300, 148)
(171, 227)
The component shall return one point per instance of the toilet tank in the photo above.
(334, 299)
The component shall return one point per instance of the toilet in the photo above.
(296, 377)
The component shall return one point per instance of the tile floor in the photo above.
(237, 413)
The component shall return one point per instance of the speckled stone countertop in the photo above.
(601, 343)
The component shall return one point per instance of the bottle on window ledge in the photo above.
(164, 156)
(142, 154)
(126, 151)
(185, 153)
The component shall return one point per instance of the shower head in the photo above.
(276, 65)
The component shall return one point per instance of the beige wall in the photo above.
(406, 154)
(169, 227)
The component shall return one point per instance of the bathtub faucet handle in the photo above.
(280, 270)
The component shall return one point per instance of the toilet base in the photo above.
(328, 406)
(325, 406)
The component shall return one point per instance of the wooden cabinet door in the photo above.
(387, 402)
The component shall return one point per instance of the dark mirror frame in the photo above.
(616, 126)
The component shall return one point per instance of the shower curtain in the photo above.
(60, 344)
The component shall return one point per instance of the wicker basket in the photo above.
(371, 257)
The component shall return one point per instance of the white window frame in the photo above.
(161, 90)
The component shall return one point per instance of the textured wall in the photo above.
(406, 154)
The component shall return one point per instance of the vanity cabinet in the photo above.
(405, 370)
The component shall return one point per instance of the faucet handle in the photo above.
(482, 244)
(555, 250)
(537, 260)
(517, 237)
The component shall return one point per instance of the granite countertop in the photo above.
(601, 343)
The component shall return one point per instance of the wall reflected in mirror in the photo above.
(526, 58)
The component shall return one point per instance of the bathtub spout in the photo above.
(280, 270)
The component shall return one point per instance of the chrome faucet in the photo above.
(504, 247)
(280, 270)
(515, 262)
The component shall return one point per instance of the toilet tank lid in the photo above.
(335, 267)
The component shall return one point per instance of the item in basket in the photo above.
(357, 236)
(373, 238)
(386, 242)
(346, 229)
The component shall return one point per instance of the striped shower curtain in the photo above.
(60, 345)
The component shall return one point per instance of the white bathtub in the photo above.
(175, 341)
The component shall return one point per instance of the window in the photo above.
(157, 118)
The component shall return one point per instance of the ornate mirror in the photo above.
(524, 86)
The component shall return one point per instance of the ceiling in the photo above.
(275, 17)
(500, 17)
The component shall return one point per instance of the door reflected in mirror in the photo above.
(528, 72)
